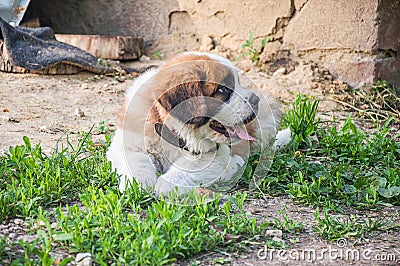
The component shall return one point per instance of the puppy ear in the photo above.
(186, 103)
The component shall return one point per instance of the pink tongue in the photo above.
(241, 133)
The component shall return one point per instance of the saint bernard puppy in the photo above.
(189, 124)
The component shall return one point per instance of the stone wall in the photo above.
(357, 40)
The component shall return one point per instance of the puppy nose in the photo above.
(254, 99)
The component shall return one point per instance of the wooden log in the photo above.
(106, 47)
(5, 63)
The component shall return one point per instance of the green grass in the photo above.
(334, 227)
(286, 224)
(72, 200)
(76, 189)
(325, 165)
(32, 178)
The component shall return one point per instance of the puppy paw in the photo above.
(239, 160)
(165, 185)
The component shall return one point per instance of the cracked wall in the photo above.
(358, 41)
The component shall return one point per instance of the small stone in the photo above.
(322, 70)
(27, 238)
(83, 259)
(332, 89)
(279, 72)
(328, 77)
(277, 239)
(12, 235)
(79, 113)
(18, 221)
(314, 85)
(274, 233)
(207, 43)
(53, 225)
(144, 58)
(43, 128)
(105, 86)
(84, 86)
(9, 118)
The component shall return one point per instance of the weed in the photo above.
(157, 55)
(378, 103)
(104, 127)
(118, 73)
(32, 178)
(252, 52)
(5, 251)
(335, 166)
(288, 225)
(222, 260)
(302, 121)
(134, 228)
(333, 227)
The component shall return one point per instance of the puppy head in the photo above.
(202, 100)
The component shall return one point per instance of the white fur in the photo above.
(138, 152)
(282, 138)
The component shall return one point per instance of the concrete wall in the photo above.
(357, 40)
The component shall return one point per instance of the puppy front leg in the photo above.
(224, 166)
(139, 168)
(130, 161)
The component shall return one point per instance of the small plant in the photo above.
(333, 227)
(104, 127)
(288, 225)
(222, 260)
(302, 121)
(103, 62)
(157, 55)
(32, 178)
(377, 103)
(118, 73)
(335, 166)
(252, 52)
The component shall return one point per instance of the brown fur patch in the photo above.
(121, 114)
(191, 77)
(185, 59)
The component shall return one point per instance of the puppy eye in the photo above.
(224, 90)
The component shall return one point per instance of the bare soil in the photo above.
(44, 108)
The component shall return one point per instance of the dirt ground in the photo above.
(45, 108)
